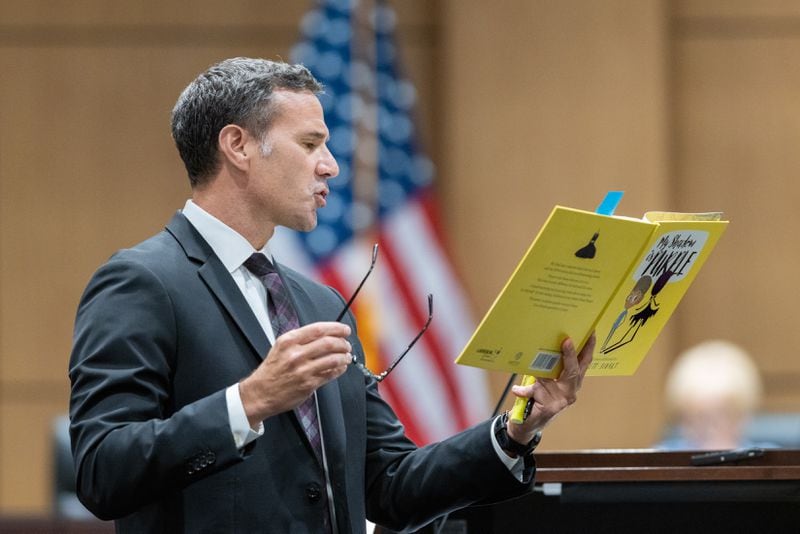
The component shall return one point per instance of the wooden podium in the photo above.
(645, 491)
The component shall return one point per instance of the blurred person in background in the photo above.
(711, 393)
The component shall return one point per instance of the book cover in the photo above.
(585, 272)
(652, 289)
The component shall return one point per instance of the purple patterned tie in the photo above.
(284, 318)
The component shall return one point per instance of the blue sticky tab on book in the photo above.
(609, 204)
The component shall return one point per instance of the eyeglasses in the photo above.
(380, 377)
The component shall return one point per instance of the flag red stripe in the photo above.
(330, 276)
(427, 201)
(394, 397)
(430, 339)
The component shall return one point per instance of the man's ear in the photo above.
(233, 146)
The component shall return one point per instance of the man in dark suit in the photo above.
(186, 392)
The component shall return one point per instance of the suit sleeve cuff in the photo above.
(240, 427)
(515, 465)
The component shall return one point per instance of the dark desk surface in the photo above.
(621, 491)
(648, 465)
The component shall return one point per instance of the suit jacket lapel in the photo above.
(219, 282)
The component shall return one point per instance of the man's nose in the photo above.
(328, 168)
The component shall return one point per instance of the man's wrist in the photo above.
(248, 402)
(511, 446)
(243, 432)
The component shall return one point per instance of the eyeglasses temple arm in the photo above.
(352, 298)
(413, 341)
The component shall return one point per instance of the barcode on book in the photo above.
(544, 361)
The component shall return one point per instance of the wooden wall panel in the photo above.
(271, 18)
(737, 131)
(555, 102)
(748, 11)
(92, 14)
(27, 454)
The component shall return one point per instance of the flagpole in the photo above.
(365, 169)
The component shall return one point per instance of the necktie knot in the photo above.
(259, 265)
(282, 314)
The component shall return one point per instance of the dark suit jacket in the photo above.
(161, 331)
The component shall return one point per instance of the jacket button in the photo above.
(313, 492)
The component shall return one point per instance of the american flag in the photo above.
(383, 194)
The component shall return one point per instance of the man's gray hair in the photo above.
(235, 91)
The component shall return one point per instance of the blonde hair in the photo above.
(714, 370)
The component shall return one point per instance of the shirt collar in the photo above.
(228, 244)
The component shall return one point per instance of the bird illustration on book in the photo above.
(641, 316)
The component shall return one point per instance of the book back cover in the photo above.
(559, 288)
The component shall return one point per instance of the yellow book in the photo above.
(585, 272)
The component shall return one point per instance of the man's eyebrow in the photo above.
(315, 135)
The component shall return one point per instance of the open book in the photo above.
(584, 272)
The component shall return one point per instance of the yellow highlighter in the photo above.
(522, 407)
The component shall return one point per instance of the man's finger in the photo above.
(587, 354)
(327, 345)
(330, 366)
(311, 332)
(570, 359)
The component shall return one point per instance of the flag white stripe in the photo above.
(287, 248)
